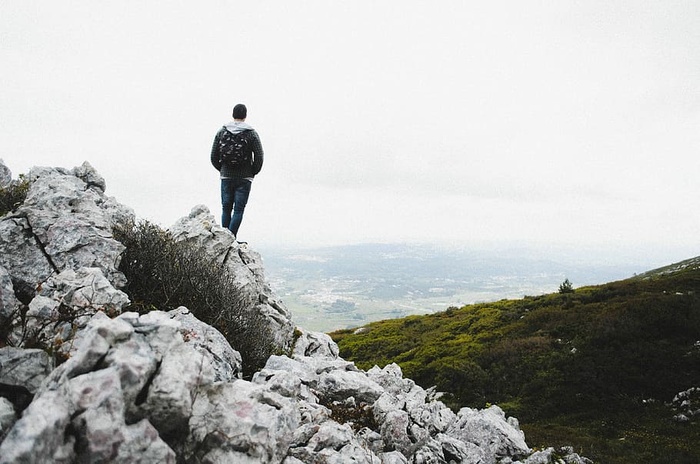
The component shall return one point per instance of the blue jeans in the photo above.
(234, 196)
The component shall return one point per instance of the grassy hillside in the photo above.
(594, 368)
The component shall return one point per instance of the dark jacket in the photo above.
(243, 172)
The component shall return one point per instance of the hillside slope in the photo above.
(595, 368)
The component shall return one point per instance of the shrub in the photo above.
(566, 287)
(358, 416)
(165, 274)
(12, 196)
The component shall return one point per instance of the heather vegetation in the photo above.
(593, 367)
(164, 274)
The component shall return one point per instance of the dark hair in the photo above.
(240, 111)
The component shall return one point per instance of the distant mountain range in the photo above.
(347, 286)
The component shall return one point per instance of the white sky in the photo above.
(568, 122)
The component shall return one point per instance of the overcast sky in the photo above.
(568, 122)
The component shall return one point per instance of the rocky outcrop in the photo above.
(64, 224)
(59, 257)
(200, 229)
(115, 386)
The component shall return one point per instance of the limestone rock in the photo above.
(240, 422)
(58, 246)
(341, 384)
(72, 220)
(24, 367)
(38, 436)
(226, 361)
(66, 302)
(315, 344)
(490, 431)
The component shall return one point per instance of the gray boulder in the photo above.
(25, 368)
(128, 381)
(226, 361)
(489, 429)
(63, 226)
(314, 344)
(64, 303)
(337, 385)
(71, 221)
(39, 436)
(240, 422)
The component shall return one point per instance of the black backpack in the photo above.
(235, 149)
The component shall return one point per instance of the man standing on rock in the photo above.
(238, 156)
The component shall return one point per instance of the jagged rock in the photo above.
(63, 225)
(38, 437)
(333, 442)
(443, 449)
(285, 383)
(25, 368)
(21, 254)
(200, 229)
(169, 401)
(85, 289)
(226, 361)
(90, 176)
(125, 376)
(142, 445)
(134, 385)
(5, 175)
(315, 344)
(66, 302)
(341, 384)
(489, 430)
(73, 219)
(406, 395)
(394, 431)
(331, 435)
(240, 422)
(455, 450)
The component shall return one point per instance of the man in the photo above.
(237, 174)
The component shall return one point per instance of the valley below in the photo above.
(342, 287)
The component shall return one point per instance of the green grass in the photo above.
(576, 368)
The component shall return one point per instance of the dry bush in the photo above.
(12, 196)
(165, 274)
